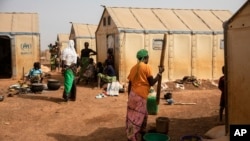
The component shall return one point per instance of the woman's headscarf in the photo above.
(69, 54)
(141, 54)
(71, 46)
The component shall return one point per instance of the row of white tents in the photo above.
(195, 41)
(195, 44)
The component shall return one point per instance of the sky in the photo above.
(55, 15)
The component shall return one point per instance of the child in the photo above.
(222, 98)
(35, 74)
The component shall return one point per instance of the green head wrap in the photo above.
(141, 54)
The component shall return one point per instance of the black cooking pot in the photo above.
(36, 87)
(53, 84)
(168, 95)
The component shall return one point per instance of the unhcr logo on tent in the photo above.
(26, 48)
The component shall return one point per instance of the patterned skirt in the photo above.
(137, 115)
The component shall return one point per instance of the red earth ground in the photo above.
(46, 117)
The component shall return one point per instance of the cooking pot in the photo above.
(168, 95)
(36, 87)
(53, 84)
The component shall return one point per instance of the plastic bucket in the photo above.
(156, 137)
(152, 106)
(191, 138)
(162, 125)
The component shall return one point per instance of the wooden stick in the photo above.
(161, 65)
(184, 103)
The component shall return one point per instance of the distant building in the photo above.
(82, 33)
(46, 55)
(62, 40)
(19, 43)
(194, 45)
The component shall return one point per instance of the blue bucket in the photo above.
(156, 137)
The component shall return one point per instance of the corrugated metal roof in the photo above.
(170, 20)
(211, 21)
(223, 15)
(124, 18)
(177, 20)
(191, 20)
(19, 22)
(63, 37)
(84, 30)
(147, 19)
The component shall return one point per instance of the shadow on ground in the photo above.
(101, 134)
(195, 126)
(41, 97)
(177, 129)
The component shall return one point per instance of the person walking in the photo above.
(85, 54)
(69, 60)
(221, 86)
(140, 80)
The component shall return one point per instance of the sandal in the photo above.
(103, 95)
(100, 96)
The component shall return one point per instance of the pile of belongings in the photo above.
(20, 88)
(168, 97)
(113, 89)
(189, 79)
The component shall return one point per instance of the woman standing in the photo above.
(140, 80)
(85, 54)
(69, 60)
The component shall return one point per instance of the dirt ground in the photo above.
(46, 117)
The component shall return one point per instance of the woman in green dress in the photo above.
(69, 60)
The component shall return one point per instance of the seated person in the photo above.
(108, 74)
(99, 69)
(90, 70)
(110, 56)
(35, 74)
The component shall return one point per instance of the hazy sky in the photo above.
(55, 15)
